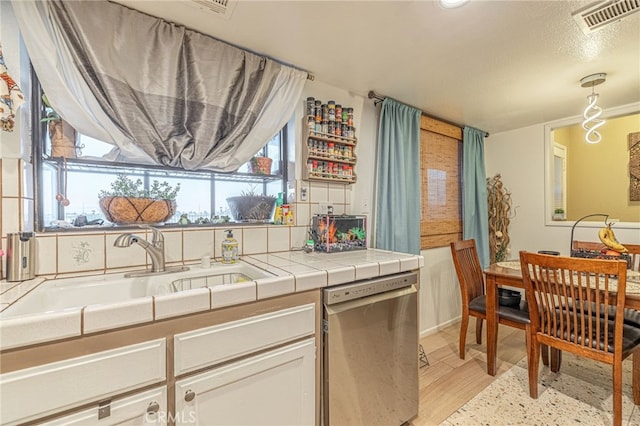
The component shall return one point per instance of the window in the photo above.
(68, 186)
(441, 162)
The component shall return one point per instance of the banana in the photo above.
(608, 238)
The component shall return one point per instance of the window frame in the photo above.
(38, 144)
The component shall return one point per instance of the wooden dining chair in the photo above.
(472, 289)
(634, 251)
(576, 305)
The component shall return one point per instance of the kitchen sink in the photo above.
(65, 293)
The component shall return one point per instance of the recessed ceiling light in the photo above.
(450, 4)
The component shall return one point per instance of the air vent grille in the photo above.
(600, 14)
(222, 8)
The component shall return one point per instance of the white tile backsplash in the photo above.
(197, 243)
(119, 257)
(336, 193)
(318, 192)
(221, 234)
(172, 245)
(278, 237)
(10, 177)
(46, 261)
(254, 240)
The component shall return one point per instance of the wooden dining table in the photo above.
(497, 275)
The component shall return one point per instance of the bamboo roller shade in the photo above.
(441, 147)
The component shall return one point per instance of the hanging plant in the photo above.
(499, 206)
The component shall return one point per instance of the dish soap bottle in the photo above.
(229, 248)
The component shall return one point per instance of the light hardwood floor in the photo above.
(449, 382)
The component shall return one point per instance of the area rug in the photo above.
(580, 394)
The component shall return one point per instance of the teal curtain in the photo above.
(475, 215)
(398, 196)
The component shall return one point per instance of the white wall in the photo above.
(518, 155)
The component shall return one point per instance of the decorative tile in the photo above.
(254, 240)
(197, 244)
(233, 294)
(115, 315)
(80, 253)
(181, 303)
(303, 214)
(278, 237)
(32, 329)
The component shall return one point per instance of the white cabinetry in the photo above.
(276, 387)
(144, 408)
(261, 370)
(47, 389)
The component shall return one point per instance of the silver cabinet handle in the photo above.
(153, 407)
(189, 395)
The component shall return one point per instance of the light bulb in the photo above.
(591, 119)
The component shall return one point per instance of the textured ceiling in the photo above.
(494, 65)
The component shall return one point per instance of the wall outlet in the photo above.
(304, 192)
(324, 206)
(365, 204)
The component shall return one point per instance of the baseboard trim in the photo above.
(437, 328)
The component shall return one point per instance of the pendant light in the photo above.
(592, 112)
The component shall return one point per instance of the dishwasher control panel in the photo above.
(366, 288)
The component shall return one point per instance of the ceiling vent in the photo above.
(602, 13)
(221, 8)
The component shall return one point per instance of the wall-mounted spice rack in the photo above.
(329, 154)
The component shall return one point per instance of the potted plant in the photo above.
(260, 165)
(252, 207)
(62, 135)
(128, 202)
(558, 214)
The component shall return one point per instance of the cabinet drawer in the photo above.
(145, 408)
(46, 389)
(207, 346)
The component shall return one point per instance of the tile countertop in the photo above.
(293, 271)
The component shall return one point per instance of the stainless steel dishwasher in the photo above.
(370, 354)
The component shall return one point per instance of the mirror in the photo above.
(583, 178)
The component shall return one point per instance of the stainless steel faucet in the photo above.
(155, 248)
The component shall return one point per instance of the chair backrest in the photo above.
(572, 296)
(468, 268)
(634, 252)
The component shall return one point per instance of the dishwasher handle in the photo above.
(369, 300)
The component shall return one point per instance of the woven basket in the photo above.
(260, 165)
(125, 210)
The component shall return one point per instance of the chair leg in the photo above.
(533, 362)
(636, 377)
(617, 394)
(545, 355)
(556, 359)
(464, 324)
(479, 330)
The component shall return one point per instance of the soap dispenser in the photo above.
(229, 248)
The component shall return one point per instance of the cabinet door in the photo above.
(273, 388)
(144, 408)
